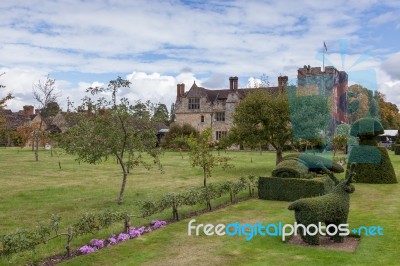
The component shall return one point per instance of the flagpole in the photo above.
(323, 56)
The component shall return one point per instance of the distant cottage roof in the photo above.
(15, 119)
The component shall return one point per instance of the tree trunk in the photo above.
(279, 156)
(121, 193)
(205, 177)
(36, 147)
(127, 223)
(69, 239)
(37, 141)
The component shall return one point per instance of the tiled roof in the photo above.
(14, 119)
(214, 95)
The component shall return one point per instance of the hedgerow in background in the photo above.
(177, 136)
(373, 162)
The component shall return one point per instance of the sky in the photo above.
(158, 44)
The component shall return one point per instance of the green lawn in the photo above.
(31, 191)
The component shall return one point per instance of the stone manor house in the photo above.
(203, 108)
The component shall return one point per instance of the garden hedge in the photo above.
(373, 165)
(313, 162)
(396, 148)
(290, 189)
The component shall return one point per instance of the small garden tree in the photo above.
(44, 92)
(113, 130)
(200, 155)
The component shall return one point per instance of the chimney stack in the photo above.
(231, 83)
(235, 83)
(182, 89)
(282, 82)
(178, 91)
(28, 111)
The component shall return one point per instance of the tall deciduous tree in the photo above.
(361, 103)
(390, 116)
(113, 130)
(263, 116)
(45, 93)
(172, 114)
(309, 115)
(161, 113)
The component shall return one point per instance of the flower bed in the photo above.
(96, 244)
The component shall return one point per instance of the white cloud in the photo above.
(156, 87)
(19, 82)
(220, 39)
(392, 66)
(385, 17)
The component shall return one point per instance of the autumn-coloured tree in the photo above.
(390, 116)
(362, 103)
(25, 133)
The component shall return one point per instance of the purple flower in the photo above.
(97, 243)
(141, 229)
(87, 249)
(112, 240)
(157, 224)
(133, 232)
(123, 237)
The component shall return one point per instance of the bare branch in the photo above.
(45, 92)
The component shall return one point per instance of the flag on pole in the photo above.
(326, 49)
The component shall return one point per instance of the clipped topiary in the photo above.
(313, 162)
(331, 209)
(289, 189)
(373, 163)
(291, 168)
(367, 129)
(296, 177)
(396, 148)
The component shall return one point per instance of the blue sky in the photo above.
(157, 44)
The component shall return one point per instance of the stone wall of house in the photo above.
(205, 116)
